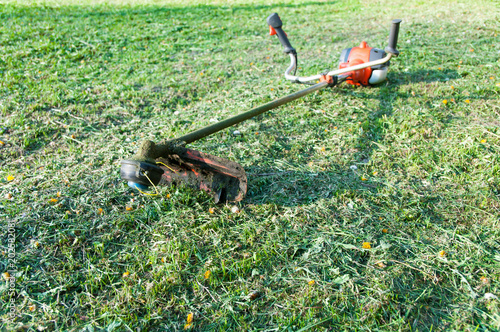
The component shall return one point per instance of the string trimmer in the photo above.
(170, 162)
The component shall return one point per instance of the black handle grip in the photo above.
(393, 38)
(274, 21)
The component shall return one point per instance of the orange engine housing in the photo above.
(358, 55)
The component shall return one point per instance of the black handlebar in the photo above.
(274, 21)
(393, 38)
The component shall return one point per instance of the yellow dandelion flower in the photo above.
(207, 274)
(10, 178)
(189, 321)
(323, 149)
(73, 136)
(125, 274)
(471, 50)
(467, 101)
(364, 179)
(2, 143)
(445, 101)
(211, 210)
(58, 194)
(32, 308)
(312, 282)
(6, 275)
(99, 211)
(335, 127)
(53, 200)
(129, 208)
(381, 265)
(163, 259)
(385, 230)
(442, 253)
(375, 173)
(168, 195)
(367, 245)
(483, 141)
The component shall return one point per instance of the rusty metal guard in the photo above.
(223, 179)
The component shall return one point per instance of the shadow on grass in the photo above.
(417, 298)
(293, 188)
(372, 133)
(422, 76)
(103, 10)
(284, 5)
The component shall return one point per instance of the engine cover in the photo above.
(361, 54)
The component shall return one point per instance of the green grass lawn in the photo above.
(81, 85)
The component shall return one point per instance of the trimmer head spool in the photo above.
(140, 174)
(223, 179)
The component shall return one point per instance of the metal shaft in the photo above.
(209, 130)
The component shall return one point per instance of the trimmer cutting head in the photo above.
(223, 179)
